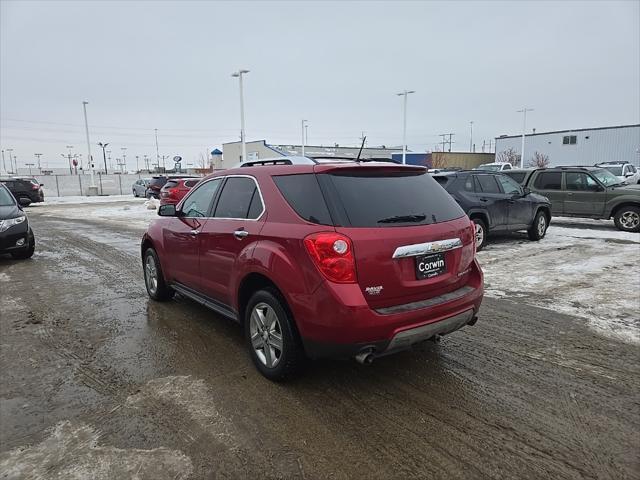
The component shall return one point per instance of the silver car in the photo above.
(139, 187)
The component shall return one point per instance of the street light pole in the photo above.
(524, 129)
(29, 165)
(9, 151)
(38, 155)
(471, 138)
(89, 158)
(124, 156)
(104, 155)
(239, 75)
(404, 94)
(157, 150)
(4, 165)
(303, 139)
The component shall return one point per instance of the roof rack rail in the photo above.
(612, 162)
(277, 161)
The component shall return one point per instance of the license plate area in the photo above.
(429, 266)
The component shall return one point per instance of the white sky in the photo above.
(167, 65)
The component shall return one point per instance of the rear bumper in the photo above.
(339, 329)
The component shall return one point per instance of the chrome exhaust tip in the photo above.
(365, 358)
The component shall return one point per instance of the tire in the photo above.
(27, 252)
(627, 219)
(273, 308)
(158, 290)
(539, 227)
(481, 233)
(135, 193)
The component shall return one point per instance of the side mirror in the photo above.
(527, 191)
(42, 184)
(629, 174)
(25, 202)
(167, 211)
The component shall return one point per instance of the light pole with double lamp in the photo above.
(239, 75)
(404, 94)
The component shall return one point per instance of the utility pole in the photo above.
(104, 155)
(4, 165)
(239, 75)
(303, 125)
(524, 129)
(89, 158)
(137, 158)
(69, 156)
(404, 94)
(445, 141)
(306, 134)
(146, 163)
(38, 155)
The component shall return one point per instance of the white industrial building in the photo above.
(583, 146)
(232, 152)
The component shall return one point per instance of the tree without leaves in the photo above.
(508, 156)
(438, 160)
(539, 160)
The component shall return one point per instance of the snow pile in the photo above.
(85, 200)
(585, 268)
(152, 204)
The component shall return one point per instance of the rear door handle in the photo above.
(240, 234)
(484, 199)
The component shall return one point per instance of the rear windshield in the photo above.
(517, 176)
(158, 182)
(171, 184)
(375, 199)
(490, 166)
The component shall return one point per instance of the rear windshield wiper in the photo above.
(403, 218)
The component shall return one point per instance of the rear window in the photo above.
(517, 176)
(158, 182)
(375, 199)
(171, 184)
(303, 194)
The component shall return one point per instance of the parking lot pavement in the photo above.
(99, 382)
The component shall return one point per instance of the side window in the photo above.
(239, 199)
(468, 184)
(581, 182)
(548, 181)
(507, 167)
(198, 201)
(488, 184)
(190, 183)
(509, 186)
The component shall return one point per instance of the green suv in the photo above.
(589, 192)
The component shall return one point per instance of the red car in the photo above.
(175, 189)
(344, 259)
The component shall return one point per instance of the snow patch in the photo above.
(4, 277)
(71, 451)
(586, 268)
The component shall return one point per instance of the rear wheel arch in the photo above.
(250, 284)
(482, 216)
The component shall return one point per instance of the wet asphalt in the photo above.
(97, 381)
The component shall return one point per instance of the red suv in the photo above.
(175, 189)
(344, 259)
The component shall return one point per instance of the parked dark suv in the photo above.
(346, 259)
(26, 188)
(16, 236)
(496, 203)
(589, 192)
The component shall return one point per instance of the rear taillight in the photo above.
(332, 253)
(35, 187)
(468, 251)
(172, 192)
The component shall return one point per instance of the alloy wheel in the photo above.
(542, 225)
(479, 235)
(630, 220)
(151, 274)
(266, 335)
